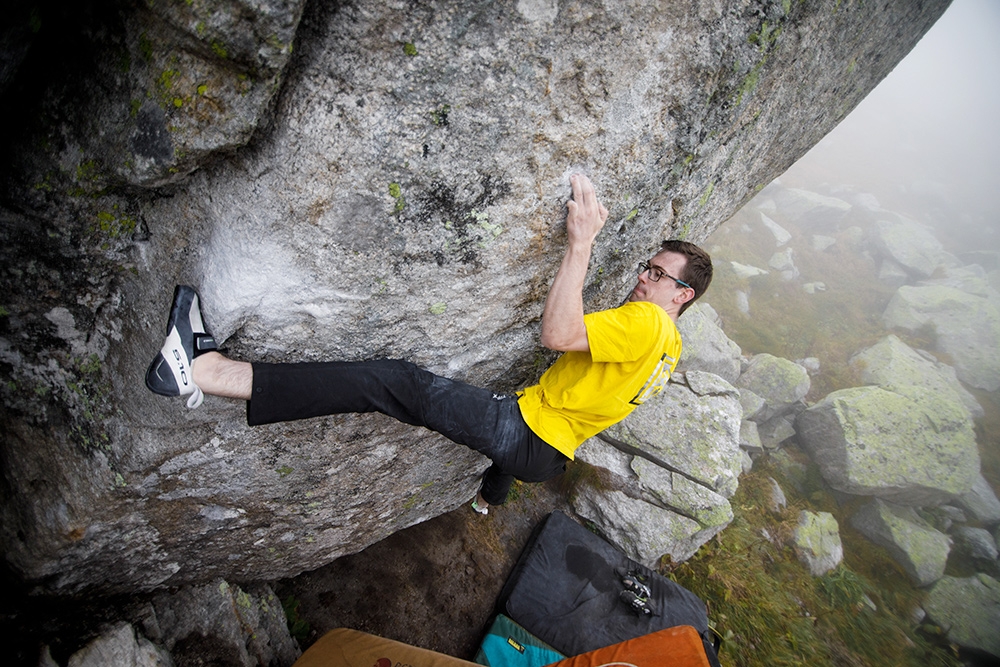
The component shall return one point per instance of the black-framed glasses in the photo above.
(655, 273)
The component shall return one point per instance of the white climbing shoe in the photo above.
(170, 372)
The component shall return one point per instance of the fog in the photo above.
(922, 150)
(926, 140)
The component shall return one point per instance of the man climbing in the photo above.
(613, 361)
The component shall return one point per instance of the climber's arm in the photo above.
(563, 328)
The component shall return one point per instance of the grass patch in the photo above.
(770, 611)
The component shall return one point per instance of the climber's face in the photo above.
(658, 282)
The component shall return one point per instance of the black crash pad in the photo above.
(566, 585)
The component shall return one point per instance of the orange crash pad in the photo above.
(680, 646)
(350, 648)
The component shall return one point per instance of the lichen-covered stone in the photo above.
(780, 382)
(910, 446)
(910, 245)
(891, 363)
(816, 541)
(975, 543)
(810, 208)
(706, 346)
(920, 550)
(981, 502)
(966, 327)
(968, 610)
(665, 500)
(697, 434)
(643, 531)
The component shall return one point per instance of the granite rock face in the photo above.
(665, 473)
(401, 194)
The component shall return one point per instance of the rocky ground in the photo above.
(433, 585)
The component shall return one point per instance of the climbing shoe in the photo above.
(170, 372)
(479, 510)
(637, 604)
(636, 582)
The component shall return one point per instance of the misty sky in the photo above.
(932, 124)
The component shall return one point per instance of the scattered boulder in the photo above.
(892, 274)
(784, 263)
(975, 543)
(891, 363)
(968, 611)
(750, 437)
(967, 328)
(810, 208)
(821, 243)
(221, 623)
(752, 404)
(217, 624)
(706, 346)
(919, 549)
(121, 647)
(781, 235)
(981, 502)
(747, 271)
(795, 471)
(811, 364)
(776, 500)
(816, 541)
(910, 245)
(780, 382)
(910, 446)
(742, 301)
(971, 279)
(775, 431)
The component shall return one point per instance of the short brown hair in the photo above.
(697, 270)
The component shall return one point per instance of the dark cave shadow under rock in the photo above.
(432, 585)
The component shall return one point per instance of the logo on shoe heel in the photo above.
(181, 366)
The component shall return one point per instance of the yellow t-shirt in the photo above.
(633, 350)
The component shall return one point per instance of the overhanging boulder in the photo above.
(403, 195)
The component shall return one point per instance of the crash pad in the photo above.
(567, 585)
(507, 644)
(680, 646)
(351, 648)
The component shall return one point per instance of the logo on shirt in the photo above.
(657, 380)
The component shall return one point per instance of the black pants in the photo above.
(478, 418)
